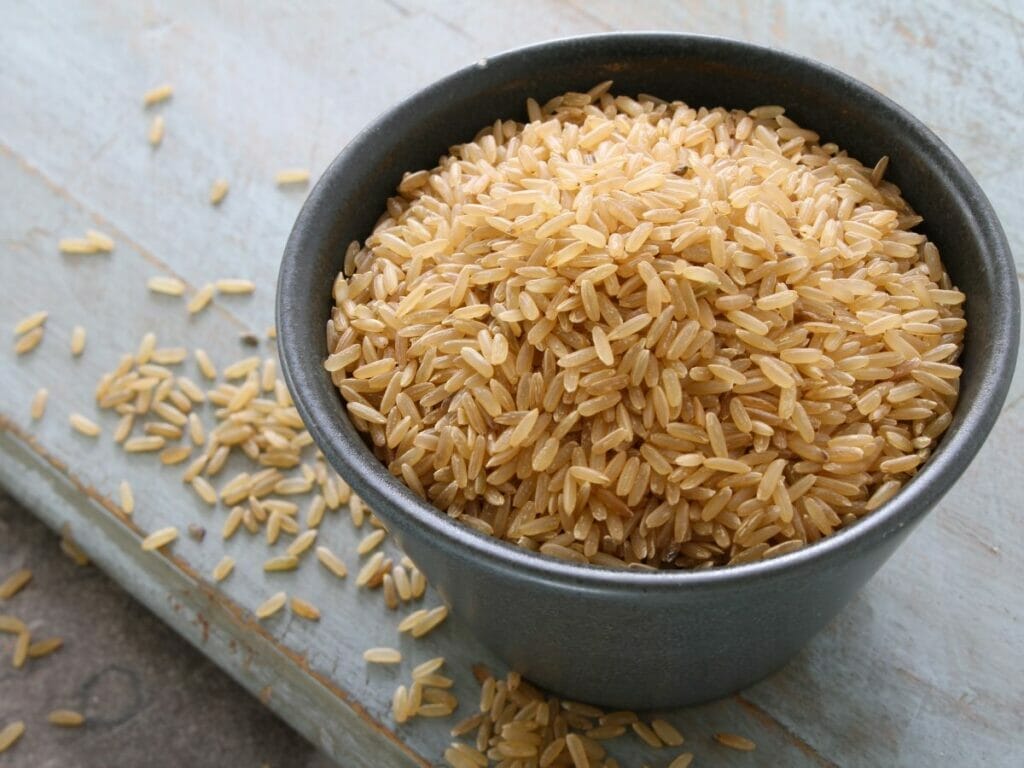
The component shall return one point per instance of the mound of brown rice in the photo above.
(634, 332)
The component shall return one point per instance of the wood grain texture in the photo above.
(924, 666)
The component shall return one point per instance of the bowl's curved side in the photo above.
(346, 202)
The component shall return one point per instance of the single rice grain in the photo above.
(28, 341)
(14, 583)
(38, 407)
(156, 131)
(206, 366)
(200, 300)
(218, 191)
(305, 609)
(77, 245)
(160, 538)
(157, 94)
(168, 286)
(66, 718)
(432, 619)
(382, 655)
(667, 732)
(127, 497)
(290, 176)
(10, 733)
(734, 741)
(102, 241)
(331, 562)
(40, 648)
(21, 645)
(271, 605)
(30, 322)
(235, 285)
(83, 425)
(77, 340)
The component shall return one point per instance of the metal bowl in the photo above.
(620, 637)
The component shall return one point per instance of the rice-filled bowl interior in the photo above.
(634, 333)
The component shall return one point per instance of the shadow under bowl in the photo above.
(618, 637)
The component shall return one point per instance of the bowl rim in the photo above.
(371, 480)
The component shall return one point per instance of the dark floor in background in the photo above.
(151, 700)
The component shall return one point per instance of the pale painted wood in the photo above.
(925, 665)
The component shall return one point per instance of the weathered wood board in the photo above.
(925, 665)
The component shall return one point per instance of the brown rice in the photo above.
(634, 332)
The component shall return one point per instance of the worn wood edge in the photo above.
(207, 619)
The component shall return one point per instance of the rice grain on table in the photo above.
(411, 621)
(14, 583)
(305, 609)
(418, 583)
(169, 286)
(127, 497)
(667, 732)
(77, 245)
(200, 300)
(315, 515)
(66, 718)
(331, 562)
(191, 390)
(28, 341)
(169, 355)
(382, 655)
(281, 563)
(175, 454)
(10, 733)
(30, 322)
(370, 570)
(290, 176)
(103, 242)
(734, 741)
(20, 655)
(12, 624)
(430, 620)
(44, 647)
(234, 285)
(301, 543)
(157, 95)
(218, 191)
(390, 592)
(160, 538)
(624, 333)
(223, 568)
(402, 584)
(206, 366)
(156, 131)
(272, 605)
(38, 407)
(204, 490)
(83, 425)
(77, 340)
(371, 541)
(146, 444)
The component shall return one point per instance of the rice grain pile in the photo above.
(630, 332)
(519, 724)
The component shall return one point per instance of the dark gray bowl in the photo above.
(624, 638)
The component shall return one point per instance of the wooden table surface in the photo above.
(925, 667)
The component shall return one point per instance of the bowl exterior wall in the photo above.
(623, 638)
